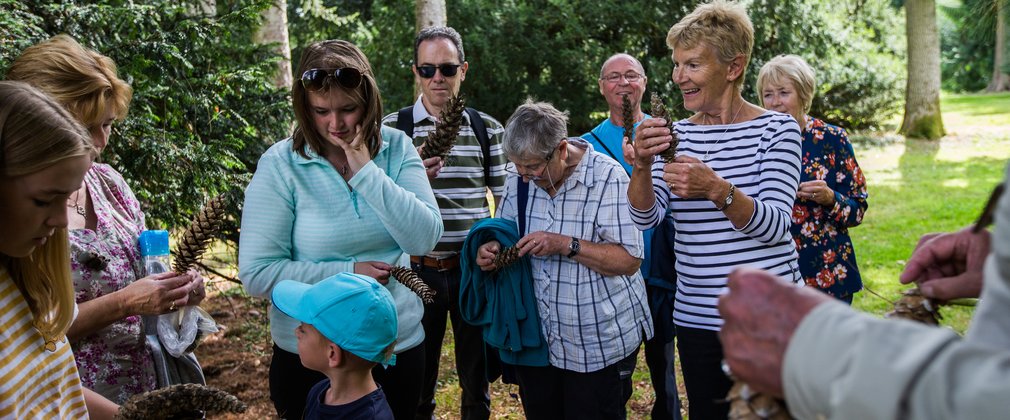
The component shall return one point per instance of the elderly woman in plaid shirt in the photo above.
(585, 253)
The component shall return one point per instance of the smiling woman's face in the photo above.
(701, 77)
(33, 206)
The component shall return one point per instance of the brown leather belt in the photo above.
(444, 264)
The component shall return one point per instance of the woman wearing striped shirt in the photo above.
(730, 189)
(43, 157)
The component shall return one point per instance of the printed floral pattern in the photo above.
(114, 361)
(827, 260)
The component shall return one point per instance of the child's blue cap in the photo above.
(353, 311)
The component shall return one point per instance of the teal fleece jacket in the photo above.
(501, 302)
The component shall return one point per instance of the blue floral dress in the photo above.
(827, 260)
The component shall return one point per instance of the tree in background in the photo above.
(429, 13)
(922, 92)
(274, 33)
(973, 35)
(1001, 61)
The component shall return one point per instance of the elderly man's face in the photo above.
(615, 83)
(437, 90)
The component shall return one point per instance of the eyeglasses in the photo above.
(537, 169)
(427, 71)
(615, 77)
(315, 79)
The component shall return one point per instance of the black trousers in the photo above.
(475, 401)
(659, 358)
(552, 393)
(701, 362)
(290, 382)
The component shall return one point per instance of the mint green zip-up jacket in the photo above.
(302, 222)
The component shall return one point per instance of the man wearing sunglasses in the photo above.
(623, 75)
(474, 166)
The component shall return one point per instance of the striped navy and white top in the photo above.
(762, 158)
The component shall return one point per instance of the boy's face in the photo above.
(313, 348)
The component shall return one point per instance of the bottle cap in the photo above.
(153, 242)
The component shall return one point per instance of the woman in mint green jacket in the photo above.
(343, 194)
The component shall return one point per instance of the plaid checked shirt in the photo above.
(590, 321)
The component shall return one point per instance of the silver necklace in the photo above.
(723, 135)
(76, 205)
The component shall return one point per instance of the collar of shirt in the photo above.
(421, 113)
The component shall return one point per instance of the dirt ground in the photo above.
(237, 359)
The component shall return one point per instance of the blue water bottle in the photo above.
(154, 251)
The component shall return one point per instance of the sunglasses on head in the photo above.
(427, 71)
(315, 79)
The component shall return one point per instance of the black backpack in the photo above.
(405, 123)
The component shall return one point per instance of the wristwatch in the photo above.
(574, 247)
(729, 197)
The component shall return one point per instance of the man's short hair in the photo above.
(436, 32)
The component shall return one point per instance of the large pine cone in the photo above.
(409, 278)
(440, 142)
(659, 111)
(916, 307)
(194, 241)
(628, 118)
(186, 401)
(745, 404)
(506, 257)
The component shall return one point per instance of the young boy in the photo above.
(348, 324)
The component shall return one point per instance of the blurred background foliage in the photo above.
(205, 108)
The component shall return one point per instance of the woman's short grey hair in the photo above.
(534, 130)
(791, 69)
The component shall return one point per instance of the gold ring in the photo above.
(172, 308)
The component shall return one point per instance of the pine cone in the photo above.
(186, 401)
(628, 116)
(659, 111)
(409, 278)
(440, 141)
(194, 241)
(745, 404)
(506, 257)
(912, 305)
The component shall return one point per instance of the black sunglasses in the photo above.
(427, 71)
(315, 79)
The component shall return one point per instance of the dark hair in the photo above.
(436, 32)
(334, 54)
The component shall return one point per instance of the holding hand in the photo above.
(486, 254)
(432, 165)
(761, 313)
(377, 270)
(816, 191)
(198, 292)
(949, 265)
(651, 137)
(542, 244)
(689, 177)
(159, 293)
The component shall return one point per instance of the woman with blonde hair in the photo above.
(343, 194)
(104, 220)
(832, 192)
(730, 190)
(43, 158)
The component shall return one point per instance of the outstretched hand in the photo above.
(949, 265)
(651, 137)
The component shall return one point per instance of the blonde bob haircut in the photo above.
(721, 25)
(335, 54)
(84, 81)
(788, 70)
(36, 133)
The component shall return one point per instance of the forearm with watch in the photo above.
(737, 206)
(604, 258)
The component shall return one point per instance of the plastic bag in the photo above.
(181, 331)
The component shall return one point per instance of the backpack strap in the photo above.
(600, 141)
(480, 130)
(405, 121)
(522, 194)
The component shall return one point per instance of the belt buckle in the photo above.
(439, 263)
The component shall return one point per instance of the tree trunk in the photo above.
(275, 31)
(922, 91)
(1001, 60)
(430, 13)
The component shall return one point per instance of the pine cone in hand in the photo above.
(186, 401)
(199, 234)
(916, 307)
(506, 257)
(440, 141)
(659, 111)
(409, 278)
(746, 404)
(628, 118)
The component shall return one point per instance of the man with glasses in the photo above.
(623, 76)
(461, 183)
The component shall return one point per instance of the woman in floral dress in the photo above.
(832, 193)
(104, 220)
